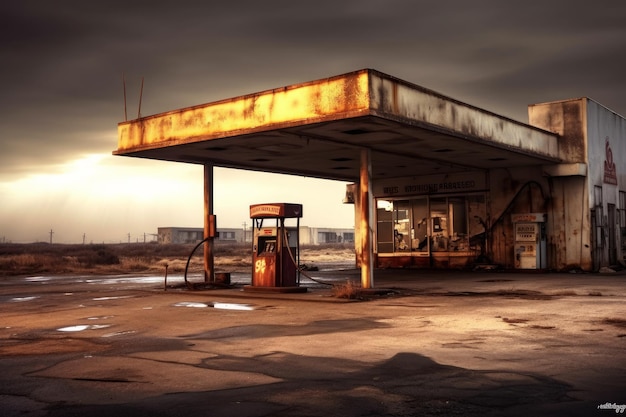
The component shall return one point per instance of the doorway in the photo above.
(612, 230)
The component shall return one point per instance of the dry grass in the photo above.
(16, 259)
(348, 290)
(38, 258)
(327, 253)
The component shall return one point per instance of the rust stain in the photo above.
(394, 98)
(250, 107)
(292, 104)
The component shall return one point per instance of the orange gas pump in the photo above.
(275, 249)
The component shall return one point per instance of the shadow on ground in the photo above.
(407, 384)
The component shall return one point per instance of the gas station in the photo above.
(437, 183)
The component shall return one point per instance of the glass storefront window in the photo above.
(458, 238)
(432, 224)
(401, 225)
(384, 226)
(439, 221)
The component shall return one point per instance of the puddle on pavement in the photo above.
(219, 305)
(130, 280)
(37, 279)
(119, 333)
(112, 298)
(82, 327)
(23, 299)
(236, 278)
(190, 304)
(233, 306)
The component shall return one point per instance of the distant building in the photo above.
(308, 235)
(180, 234)
(321, 235)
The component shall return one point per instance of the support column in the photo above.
(209, 226)
(365, 220)
(357, 221)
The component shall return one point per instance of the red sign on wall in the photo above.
(610, 173)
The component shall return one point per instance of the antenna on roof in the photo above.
(140, 95)
(124, 87)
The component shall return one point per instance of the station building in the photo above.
(437, 183)
(565, 216)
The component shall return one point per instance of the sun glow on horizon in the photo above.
(106, 198)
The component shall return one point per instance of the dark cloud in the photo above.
(61, 78)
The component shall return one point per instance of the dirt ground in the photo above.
(471, 344)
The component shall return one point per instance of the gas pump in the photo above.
(530, 240)
(275, 249)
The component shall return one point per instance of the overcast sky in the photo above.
(61, 93)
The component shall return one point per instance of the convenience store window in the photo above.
(431, 224)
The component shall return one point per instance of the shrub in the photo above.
(135, 264)
(348, 290)
(98, 255)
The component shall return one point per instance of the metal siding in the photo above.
(395, 99)
(584, 127)
(566, 119)
(606, 143)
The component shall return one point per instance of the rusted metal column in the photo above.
(357, 221)
(209, 228)
(365, 220)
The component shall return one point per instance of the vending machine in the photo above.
(530, 240)
(275, 247)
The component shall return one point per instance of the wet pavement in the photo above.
(430, 344)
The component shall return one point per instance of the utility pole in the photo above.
(245, 225)
(51, 233)
(129, 238)
(83, 238)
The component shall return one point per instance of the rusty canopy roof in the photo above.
(318, 128)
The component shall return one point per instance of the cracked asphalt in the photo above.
(435, 343)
